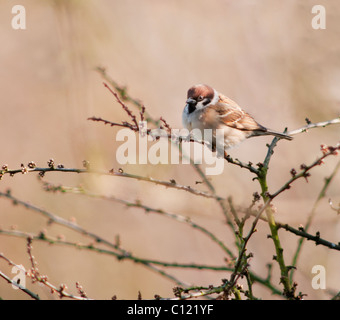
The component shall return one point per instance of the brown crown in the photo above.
(201, 90)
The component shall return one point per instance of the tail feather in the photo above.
(280, 135)
(272, 133)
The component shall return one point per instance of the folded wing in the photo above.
(230, 114)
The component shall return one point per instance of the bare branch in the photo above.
(316, 238)
(168, 184)
(314, 125)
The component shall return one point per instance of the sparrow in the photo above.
(208, 109)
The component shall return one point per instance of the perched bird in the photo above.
(208, 109)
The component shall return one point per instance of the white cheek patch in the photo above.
(213, 101)
(199, 106)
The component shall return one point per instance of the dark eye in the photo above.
(200, 98)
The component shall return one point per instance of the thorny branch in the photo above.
(32, 167)
(304, 173)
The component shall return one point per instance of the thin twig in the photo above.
(124, 106)
(241, 164)
(304, 173)
(314, 125)
(117, 173)
(125, 96)
(316, 238)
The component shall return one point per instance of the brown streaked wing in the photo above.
(233, 116)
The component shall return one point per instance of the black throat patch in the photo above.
(191, 108)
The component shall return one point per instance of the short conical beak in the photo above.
(191, 102)
(191, 105)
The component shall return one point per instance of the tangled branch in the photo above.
(242, 222)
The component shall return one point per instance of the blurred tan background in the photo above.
(263, 54)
